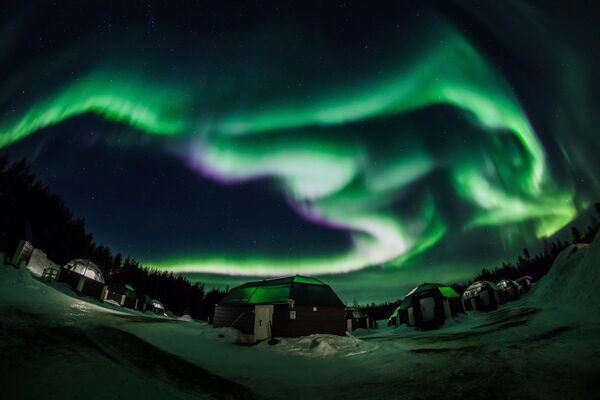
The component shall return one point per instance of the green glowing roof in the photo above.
(299, 289)
(448, 292)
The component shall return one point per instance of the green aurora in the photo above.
(317, 151)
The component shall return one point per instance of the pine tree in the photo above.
(117, 263)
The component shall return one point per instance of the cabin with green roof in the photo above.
(123, 295)
(428, 306)
(287, 307)
(357, 319)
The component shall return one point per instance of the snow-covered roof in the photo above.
(476, 287)
(506, 283)
(158, 304)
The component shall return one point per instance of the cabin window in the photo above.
(292, 314)
(314, 308)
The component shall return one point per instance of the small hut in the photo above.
(510, 289)
(123, 295)
(483, 296)
(291, 307)
(158, 308)
(357, 319)
(525, 283)
(427, 306)
(84, 277)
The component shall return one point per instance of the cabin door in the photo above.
(484, 295)
(263, 318)
(427, 309)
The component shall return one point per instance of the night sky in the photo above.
(378, 145)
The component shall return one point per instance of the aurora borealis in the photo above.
(405, 140)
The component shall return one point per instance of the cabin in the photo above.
(511, 289)
(525, 282)
(357, 319)
(287, 307)
(158, 308)
(123, 295)
(22, 253)
(145, 303)
(483, 296)
(84, 277)
(428, 306)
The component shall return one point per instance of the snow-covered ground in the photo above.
(55, 344)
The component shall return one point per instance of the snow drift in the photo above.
(573, 279)
(323, 346)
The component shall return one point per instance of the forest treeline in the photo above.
(536, 265)
(30, 211)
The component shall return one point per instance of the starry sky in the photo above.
(376, 146)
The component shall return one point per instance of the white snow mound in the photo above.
(573, 279)
(14, 278)
(324, 346)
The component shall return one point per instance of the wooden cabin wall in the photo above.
(130, 302)
(90, 287)
(326, 319)
(227, 315)
(69, 277)
(359, 323)
(403, 317)
(114, 296)
(456, 306)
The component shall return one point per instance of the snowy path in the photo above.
(517, 351)
(63, 347)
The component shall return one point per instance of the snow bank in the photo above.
(573, 279)
(186, 318)
(15, 279)
(561, 273)
(323, 346)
